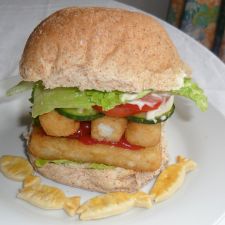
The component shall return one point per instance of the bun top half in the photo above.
(103, 49)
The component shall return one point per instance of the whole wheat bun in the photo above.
(103, 49)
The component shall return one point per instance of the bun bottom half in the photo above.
(105, 180)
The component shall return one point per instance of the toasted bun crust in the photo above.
(103, 49)
(108, 180)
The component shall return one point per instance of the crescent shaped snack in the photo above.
(171, 179)
(112, 204)
(47, 197)
(15, 167)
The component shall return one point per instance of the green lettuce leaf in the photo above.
(192, 91)
(20, 87)
(98, 166)
(42, 162)
(46, 100)
(107, 100)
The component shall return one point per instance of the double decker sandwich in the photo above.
(103, 85)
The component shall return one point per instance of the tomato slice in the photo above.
(152, 102)
(120, 110)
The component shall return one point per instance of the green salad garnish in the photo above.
(98, 166)
(46, 100)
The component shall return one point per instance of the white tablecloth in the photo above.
(18, 19)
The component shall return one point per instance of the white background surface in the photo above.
(18, 19)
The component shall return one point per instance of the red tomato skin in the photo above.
(127, 109)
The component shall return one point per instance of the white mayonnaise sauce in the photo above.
(180, 80)
(161, 110)
(140, 103)
(128, 97)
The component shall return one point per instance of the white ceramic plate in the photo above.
(201, 200)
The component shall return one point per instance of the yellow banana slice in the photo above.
(47, 197)
(171, 179)
(112, 204)
(15, 167)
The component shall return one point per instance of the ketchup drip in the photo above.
(84, 136)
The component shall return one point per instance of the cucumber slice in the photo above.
(79, 114)
(141, 118)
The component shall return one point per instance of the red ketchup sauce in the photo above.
(84, 136)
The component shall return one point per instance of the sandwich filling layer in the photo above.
(51, 148)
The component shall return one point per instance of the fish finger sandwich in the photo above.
(103, 84)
